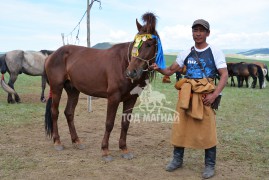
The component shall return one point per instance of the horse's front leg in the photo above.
(126, 118)
(112, 106)
(232, 81)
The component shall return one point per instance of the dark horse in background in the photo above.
(27, 62)
(265, 71)
(100, 73)
(243, 70)
(233, 71)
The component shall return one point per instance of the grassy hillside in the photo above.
(171, 58)
(104, 45)
(255, 51)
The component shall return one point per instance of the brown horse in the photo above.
(231, 72)
(100, 73)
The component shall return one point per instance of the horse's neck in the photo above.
(124, 50)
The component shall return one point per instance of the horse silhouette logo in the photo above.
(150, 100)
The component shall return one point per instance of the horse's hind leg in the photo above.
(254, 82)
(126, 118)
(239, 81)
(56, 96)
(43, 86)
(72, 100)
(13, 78)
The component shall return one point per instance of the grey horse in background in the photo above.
(28, 62)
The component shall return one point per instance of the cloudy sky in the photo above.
(36, 25)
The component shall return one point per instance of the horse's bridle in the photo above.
(139, 39)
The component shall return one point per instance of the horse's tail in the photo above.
(4, 67)
(266, 73)
(260, 76)
(6, 87)
(48, 117)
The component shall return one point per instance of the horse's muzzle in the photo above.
(133, 74)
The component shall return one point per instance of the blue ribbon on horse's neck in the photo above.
(160, 60)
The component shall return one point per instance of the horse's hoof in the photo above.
(43, 100)
(11, 102)
(59, 147)
(107, 158)
(127, 156)
(79, 146)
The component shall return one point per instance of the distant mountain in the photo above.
(225, 51)
(171, 51)
(104, 45)
(244, 52)
(233, 51)
(264, 51)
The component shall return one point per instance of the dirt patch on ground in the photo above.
(33, 155)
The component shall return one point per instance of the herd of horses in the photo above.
(108, 73)
(243, 71)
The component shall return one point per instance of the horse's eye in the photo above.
(148, 44)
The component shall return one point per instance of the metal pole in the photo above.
(63, 38)
(89, 6)
(88, 23)
(89, 45)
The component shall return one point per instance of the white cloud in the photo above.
(39, 24)
(241, 40)
(176, 37)
(118, 36)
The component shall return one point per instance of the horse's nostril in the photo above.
(134, 73)
(127, 72)
(131, 74)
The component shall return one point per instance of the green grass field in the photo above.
(242, 119)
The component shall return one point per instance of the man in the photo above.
(197, 125)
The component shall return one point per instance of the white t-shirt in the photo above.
(210, 57)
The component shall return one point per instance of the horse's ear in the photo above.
(139, 26)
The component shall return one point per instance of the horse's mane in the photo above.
(150, 21)
(46, 52)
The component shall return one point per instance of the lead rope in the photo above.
(128, 52)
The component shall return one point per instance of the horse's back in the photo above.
(14, 60)
(14, 55)
(90, 70)
(33, 63)
(28, 62)
(262, 65)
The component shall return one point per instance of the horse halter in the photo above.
(138, 41)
